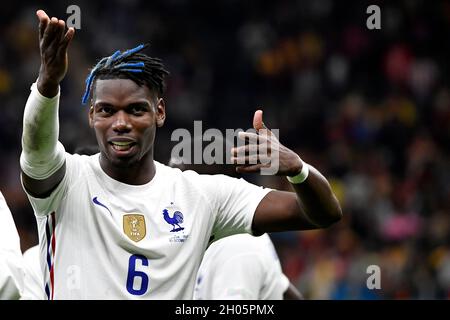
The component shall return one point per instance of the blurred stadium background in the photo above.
(369, 108)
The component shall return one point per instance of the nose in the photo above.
(121, 122)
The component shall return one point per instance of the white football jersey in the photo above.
(241, 267)
(11, 261)
(34, 281)
(103, 239)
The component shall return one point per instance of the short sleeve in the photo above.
(45, 206)
(235, 201)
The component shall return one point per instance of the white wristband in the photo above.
(301, 177)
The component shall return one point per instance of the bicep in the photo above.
(280, 211)
(43, 188)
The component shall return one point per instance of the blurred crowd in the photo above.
(369, 108)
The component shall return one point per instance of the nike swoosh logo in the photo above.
(95, 200)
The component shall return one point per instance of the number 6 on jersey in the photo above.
(133, 273)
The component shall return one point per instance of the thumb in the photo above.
(258, 123)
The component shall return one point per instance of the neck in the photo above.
(137, 173)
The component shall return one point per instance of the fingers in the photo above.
(257, 154)
(242, 150)
(54, 38)
(251, 159)
(252, 154)
(49, 33)
(41, 15)
(251, 137)
(251, 168)
(67, 38)
(60, 28)
(58, 33)
(49, 29)
(43, 22)
(257, 146)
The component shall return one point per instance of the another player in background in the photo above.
(120, 225)
(239, 267)
(34, 280)
(242, 267)
(12, 271)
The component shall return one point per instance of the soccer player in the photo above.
(120, 225)
(34, 280)
(11, 262)
(242, 267)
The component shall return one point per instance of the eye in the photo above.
(105, 109)
(138, 109)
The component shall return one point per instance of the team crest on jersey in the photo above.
(175, 219)
(134, 226)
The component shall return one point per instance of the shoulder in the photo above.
(79, 165)
(187, 177)
(80, 170)
(74, 160)
(201, 179)
(82, 158)
(32, 253)
(218, 182)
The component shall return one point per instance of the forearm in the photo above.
(47, 87)
(42, 155)
(317, 200)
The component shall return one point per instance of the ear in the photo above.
(91, 116)
(160, 112)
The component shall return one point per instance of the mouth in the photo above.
(122, 147)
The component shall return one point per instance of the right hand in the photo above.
(53, 43)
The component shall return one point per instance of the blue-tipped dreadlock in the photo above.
(130, 64)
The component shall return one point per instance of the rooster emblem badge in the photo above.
(175, 220)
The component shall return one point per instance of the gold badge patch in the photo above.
(134, 226)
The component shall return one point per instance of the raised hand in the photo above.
(264, 150)
(53, 43)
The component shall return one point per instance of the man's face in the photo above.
(124, 116)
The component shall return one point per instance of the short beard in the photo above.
(121, 163)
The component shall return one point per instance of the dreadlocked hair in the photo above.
(132, 65)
